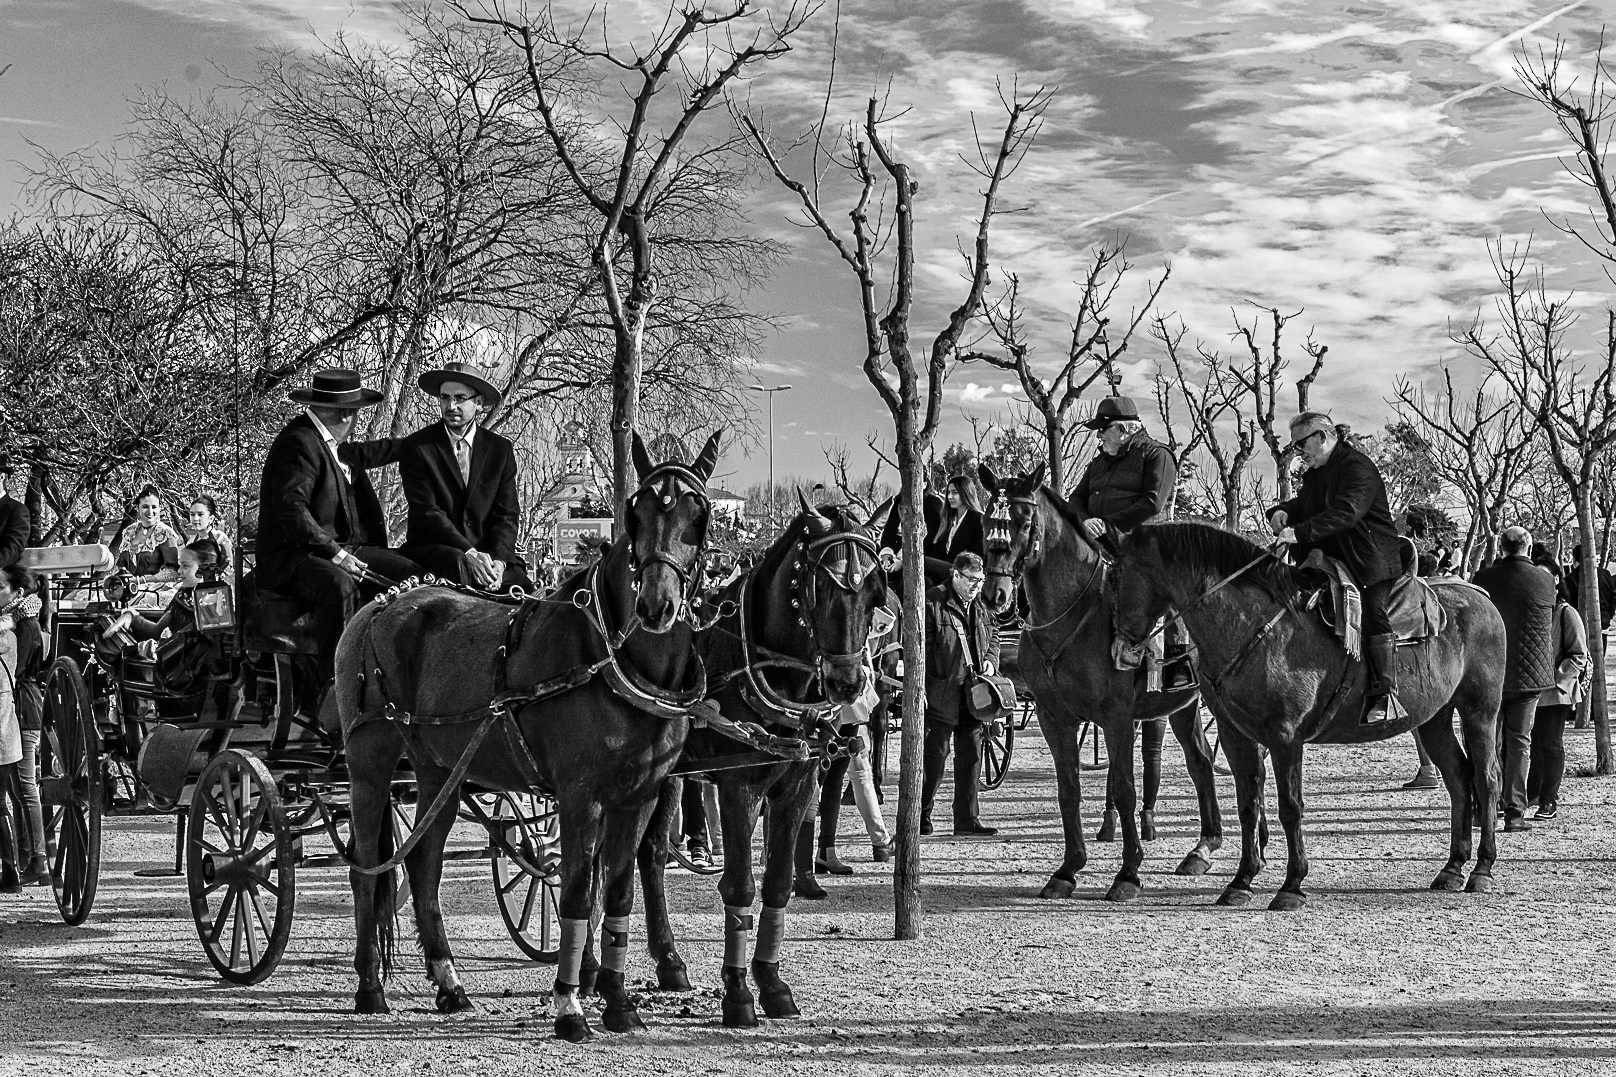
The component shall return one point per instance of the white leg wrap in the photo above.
(737, 934)
(565, 1003)
(443, 974)
(614, 943)
(771, 932)
(574, 936)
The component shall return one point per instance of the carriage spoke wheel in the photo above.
(240, 867)
(72, 790)
(529, 901)
(998, 742)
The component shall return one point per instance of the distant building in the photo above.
(726, 505)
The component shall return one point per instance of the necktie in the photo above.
(463, 458)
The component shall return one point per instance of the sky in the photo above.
(1348, 161)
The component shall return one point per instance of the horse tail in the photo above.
(384, 903)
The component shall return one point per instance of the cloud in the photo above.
(28, 123)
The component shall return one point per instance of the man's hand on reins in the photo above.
(1095, 527)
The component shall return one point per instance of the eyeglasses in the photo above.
(973, 580)
(1305, 438)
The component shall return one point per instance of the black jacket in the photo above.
(967, 536)
(947, 664)
(932, 508)
(306, 507)
(1129, 489)
(1342, 510)
(444, 510)
(1524, 595)
(30, 679)
(14, 525)
(1571, 586)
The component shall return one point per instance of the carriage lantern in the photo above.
(215, 606)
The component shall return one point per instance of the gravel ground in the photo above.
(1378, 975)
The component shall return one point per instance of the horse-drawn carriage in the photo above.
(242, 762)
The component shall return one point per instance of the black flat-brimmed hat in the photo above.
(466, 374)
(6, 466)
(336, 388)
(1111, 410)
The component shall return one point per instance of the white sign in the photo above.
(569, 532)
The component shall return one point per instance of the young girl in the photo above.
(187, 657)
(203, 523)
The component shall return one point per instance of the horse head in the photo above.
(837, 587)
(1012, 533)
(666, 529)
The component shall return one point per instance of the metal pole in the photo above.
(770, 395)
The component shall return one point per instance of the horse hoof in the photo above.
(574, 1028)
(1193, 864)
(1122, 890)
(586, 981)
(1147, 826)
(673, 979)
(1108, 828)
(1287, 901)
(453, 1000)
(625, 1020)
(1233, 897)
(779, 1003)
(740, 1014)
(1479, 883)
(370, 1001)
(1451, 881)
(1058, 887)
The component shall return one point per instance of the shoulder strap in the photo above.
(965, 638)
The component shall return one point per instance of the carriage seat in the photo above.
(1415, 611)
(274, 623)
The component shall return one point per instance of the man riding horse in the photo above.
(1341, 509)
(1125, 485)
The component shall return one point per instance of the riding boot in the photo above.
(805, 885)
(1380, 654)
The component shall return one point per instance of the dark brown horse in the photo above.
(786, 653)
(1282, 680)
(583, 695)
(1036, 539)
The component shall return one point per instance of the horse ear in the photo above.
(990, 480)
(807, 509)
(642, 459)
(1038, 474)
(878, 519)
(709, 456)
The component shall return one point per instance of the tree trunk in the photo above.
(1055, 436)
(34, 501)
(907, 908)
(1597, 708)
(626, 365)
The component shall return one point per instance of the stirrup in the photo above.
(1179, 666)
(1391, 712)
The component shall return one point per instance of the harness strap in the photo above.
(1245, 651)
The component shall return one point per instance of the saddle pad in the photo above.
(1413, 607)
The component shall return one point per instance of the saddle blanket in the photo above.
(1415, 611)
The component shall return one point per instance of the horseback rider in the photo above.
(1341, 509)
(1126, 484)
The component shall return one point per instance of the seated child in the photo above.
(185, 657)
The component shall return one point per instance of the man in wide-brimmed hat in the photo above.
(14, 518)
(322, 537)
(460, 480)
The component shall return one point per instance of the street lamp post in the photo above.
(769, 393)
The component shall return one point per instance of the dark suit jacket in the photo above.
(1342, 510)
(14, 524)
(932, 508)
(947, 663)
(1129, 489)
(445, 511)
(306, 507)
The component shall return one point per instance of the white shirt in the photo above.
(330, 443)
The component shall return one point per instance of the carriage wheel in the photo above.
(73, 790)
(240, 867)
(715, 836)
(998, 742)
(529, 901)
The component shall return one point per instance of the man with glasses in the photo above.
(961, 638)
(1341, 509)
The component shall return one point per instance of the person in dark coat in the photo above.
(1524, 594)
(15, 521)
(1342, 510)
(961, 637)
(460, 481)
(1571, 587)
(932, 510)
(1555, 707)
(320, 524)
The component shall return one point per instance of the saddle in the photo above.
(1415, 611)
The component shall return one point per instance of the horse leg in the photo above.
(1151, 735)
(1119, 745)
(373, 752)
(1062, 740)
(1186, 723)
(1288, 783)
(1481, 745)
(737, 818)
(624, 829)
(791, 799)
(1246, 762)
(1436, 736)
(653, 857)
(425, 867)
(580, 840)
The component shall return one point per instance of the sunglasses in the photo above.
(1304, 439)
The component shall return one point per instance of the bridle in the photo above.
(805, 587)
(681, 479)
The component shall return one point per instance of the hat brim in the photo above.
(431, 383)
(1101, 423)
(366, 398)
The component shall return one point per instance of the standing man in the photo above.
(14, 519)
(461, 484)
(320, 524)
(1128, 483)
(961, 638)
(1524, 595)
(1341, 509)
(1572, 585)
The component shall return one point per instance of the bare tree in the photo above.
(1261, 383)
(863, 494)
(1213, 396)
(875, 253)
(1093, 348)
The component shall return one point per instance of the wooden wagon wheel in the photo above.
(998, 742)
(72, 790)
(240, 867)
(529, 900)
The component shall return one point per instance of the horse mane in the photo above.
(1213, 551)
